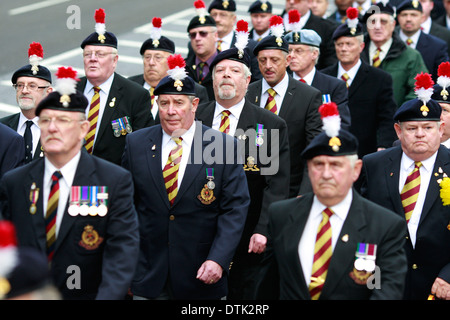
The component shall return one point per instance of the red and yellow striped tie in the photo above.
(345, 77)
(271, 104)
(170, 171)
(50, 214)
(219, 45)
(322, 255)
(92, 118)
(409, 41)
(152, 97)
(225, 122)
(410, 191)
(376, 61)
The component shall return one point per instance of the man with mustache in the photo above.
(31, 87)
(75, 208)
(231, 77)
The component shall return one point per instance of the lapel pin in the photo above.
(154, 147)
(256, 100)
(345, 238)
(113, 102)
(391, 174)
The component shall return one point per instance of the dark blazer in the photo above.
(200, 91)
(131, 100)
(431, 256)
(177, 240)
(372, 106)
(300, 111)
(207, 82)
(106, 270)
(441, 32)
(12, 149)
(264, 189)
(366, 222)
(12, 121)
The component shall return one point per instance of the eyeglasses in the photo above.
(202, 34)
(60, 122)
(30, 86)
(98, 54)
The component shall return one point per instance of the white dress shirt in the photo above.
(351, 73)
(234, 116)
(65, 185)
(280, 89)
(308, 238)
(384, 50)
(308, 78)
(426, 171)
(414, 38)
(154, 108)
(226, 41)
(35, 130)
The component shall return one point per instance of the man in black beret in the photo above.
(32, 83)
(114, 100)
(292, 100)
(332, 244)
(154, 52)
(266, 164)
(79, 209)
(192, 204)
(407, 180)
(260, 14)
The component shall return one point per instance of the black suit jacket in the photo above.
(366, 222)
(131, 100)
(200, 91)
(372, 106)
(264, 189)
(300, 111)
(430, 258)
(432, 58)
(207, 82)
(12, 121)
(441, 32)
(12, 150)
(106, 268)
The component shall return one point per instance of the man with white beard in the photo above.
(266, 160)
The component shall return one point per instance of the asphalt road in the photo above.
(61, 25)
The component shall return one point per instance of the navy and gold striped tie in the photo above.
(50, 214)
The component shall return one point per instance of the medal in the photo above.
(74, 206)
(84, 208)
(123, 131)
(93, 209)
(34, 195)
(210, 176)
(127, 124)
(115, 127)
(206, 195)
(259, 134)
(365, 257)
(102, 197)
(326, 98)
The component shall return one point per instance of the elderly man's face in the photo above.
(302, 57)
(380, 27)
(99, 63)
(203, 41)
(445, 119)
(176, 113)
(230, 80)
(28, 98)
(332, 177)
(273, 64)
(225, 21)
(155, 65)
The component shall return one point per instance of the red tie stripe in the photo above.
(170, 171)
(50, 215)
(345, 77)
(410, 191)
(322, 255)
(225, 121)
(271, 104)
(92, 118)
(376, 61)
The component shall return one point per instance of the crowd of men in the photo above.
(305, 158)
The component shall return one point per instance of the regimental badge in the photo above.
(264, 6)
(360, 277)
(206, 196)
(34, 196)
(225, 4)
(90, 239)
(250, 165)
(415, 4)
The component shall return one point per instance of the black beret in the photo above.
(25, 71)
(197, 22)
(260, 7)
(440, 95)
(409, 5)
(416, 110)
(168, 86)
(93, 39)
(163, 44)
(227, 5)
(320, 145)
(383, 8)
(232, 54)
(344, 31)
(270, 42)
(78, 102)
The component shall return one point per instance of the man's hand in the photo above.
(441, 289)
(257, 243)
(210, 272)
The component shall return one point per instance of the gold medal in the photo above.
(90, 239)
(206, 196)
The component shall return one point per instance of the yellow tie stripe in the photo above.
(376, 61)
(345, 77)
(170, 171)
(322, 255)
(219, 45)
(152, 96)
(50, 214)
(225, 121)
(271, 104)
(92, 118)
(410, 191)
(409, 41)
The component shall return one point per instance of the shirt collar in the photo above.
(235, 110)
(408, 164)
(68, 170)
(280, 88)
(414, 37)
(105, 86)
(351, 73)
(308, 78)
(340, 210)
(188, 136)
(385, 47)
(209, 61)
(23, 119)
(426, 25)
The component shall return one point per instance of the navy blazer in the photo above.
(432, 58)
(430, 258)
(176, 240)
(106, 267)
(12, 149)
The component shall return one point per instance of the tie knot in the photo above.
(271, 92)
(29, 123)
(152, 90)
(345, 76)
(177, 140)
(97, 89)
(201, 64)
(226, 113)
(327, 213)
(56, 176)
(417, 164)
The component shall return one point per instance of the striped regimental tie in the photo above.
(410, 191)
(345, 77)
(170, 171)
(271, 104)
(92, 118)
(225, 121)
(376, 61)
(50, 214)
(152, 97)
(409, 41)
(322, 255)
(219, 45)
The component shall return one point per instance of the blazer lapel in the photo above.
(287, 100)
(36, 176)
(360, 78)
(254, 93)
(392, 175)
